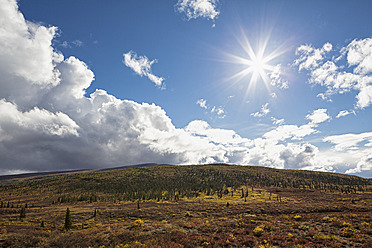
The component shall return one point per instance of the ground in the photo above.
(267, 217)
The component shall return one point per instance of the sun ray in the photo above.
(256, 62)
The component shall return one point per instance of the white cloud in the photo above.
(365, 95)
(338, 78)
(297, 156)
(276, 78)
(142, 66)
(198, 8)
(277, 121)
(359, 54)
(219, 136)
(202, 103)
(219, 111)
(318, 116)
(293, 132)
(14, 122)
(78, 43)
(27, 59)
(75, 43)
(263, 112)
(310, 57)
(365, 164)
(349, 141)
(343, 113)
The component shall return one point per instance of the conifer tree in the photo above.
(68, 223)
(22, 214)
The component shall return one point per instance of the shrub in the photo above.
(297, 217)
(138, 223)
(345, 224)
(258, 231)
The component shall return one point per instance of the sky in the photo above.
(91, 84)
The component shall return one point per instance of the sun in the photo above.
(256, 63)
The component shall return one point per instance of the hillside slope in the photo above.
(188, 206)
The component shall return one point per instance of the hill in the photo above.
(187, 206)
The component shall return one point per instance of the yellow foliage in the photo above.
(325, 237)
(303, 227)
(138, 222)
(345, 224)
(297, 217)
(258, 231)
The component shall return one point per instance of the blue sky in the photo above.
(90, 85)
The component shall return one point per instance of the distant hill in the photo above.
(154, 182)
(55, 173)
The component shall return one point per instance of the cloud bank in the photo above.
(48, 123)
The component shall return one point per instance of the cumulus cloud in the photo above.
(318, 116)
(142, 66)
(359, 54)
(297, 156)
(263, 112)
(365, 164)
(198, 8)
(310, 57)
(334, 73)
(14, 122)
(356, 148)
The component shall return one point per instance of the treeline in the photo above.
(176, 182)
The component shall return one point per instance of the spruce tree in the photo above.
(22, 214)
(68, 223)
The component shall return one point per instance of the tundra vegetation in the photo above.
(187, 206)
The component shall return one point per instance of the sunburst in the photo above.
(256, 63)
